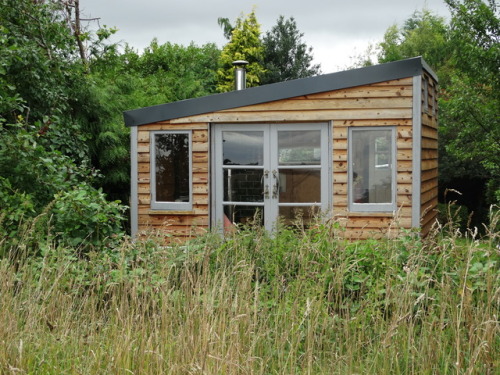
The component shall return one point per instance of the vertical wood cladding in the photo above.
(429, 163)
(382, 104)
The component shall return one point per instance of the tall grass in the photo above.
(300, 302)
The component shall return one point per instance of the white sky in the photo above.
(336, 29)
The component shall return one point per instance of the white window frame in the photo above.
(271, 205)
(372, 207)
(170, 206)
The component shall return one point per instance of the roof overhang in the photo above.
(278, 91)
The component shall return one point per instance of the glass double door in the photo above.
(267, 171)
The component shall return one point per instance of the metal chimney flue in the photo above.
(240, 75)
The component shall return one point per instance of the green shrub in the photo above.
(16, 207)
(83, 218)
(38, 181)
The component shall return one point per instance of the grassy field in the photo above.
(301, 302)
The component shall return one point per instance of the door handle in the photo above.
(266, 192)
(276, 187)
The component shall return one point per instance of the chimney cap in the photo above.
(239, 63)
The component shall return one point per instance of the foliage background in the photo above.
(61, 105)
(79, 296)
(465, 54)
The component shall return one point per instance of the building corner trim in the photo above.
(417, 151)
(134, 199)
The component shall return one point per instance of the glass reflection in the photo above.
(172, 167)
(372, 166)
(243, 147)
(299, 147)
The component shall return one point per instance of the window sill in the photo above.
(170, 212)
(370, 214)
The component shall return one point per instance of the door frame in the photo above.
(270, 206)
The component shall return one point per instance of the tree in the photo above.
(465, 55)
(470, 108)
(286, 56)
(48, 118)
(366, 58)
(190, 71)
(162, 73)
(475, 37)
(41, 70)
(245, 44)
(90, 45)
(423, 34)
(226, 26)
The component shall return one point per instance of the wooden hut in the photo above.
(358, 146)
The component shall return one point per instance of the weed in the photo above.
(300, 301)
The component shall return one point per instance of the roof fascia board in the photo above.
(277, 91)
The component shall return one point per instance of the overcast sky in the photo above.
(336, 29)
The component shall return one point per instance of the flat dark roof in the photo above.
(277, 91)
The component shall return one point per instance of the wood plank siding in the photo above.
(175, 225)
(388, 103)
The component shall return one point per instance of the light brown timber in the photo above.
(382, 104)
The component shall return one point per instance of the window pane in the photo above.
(243, 185)
(371, 166)
(243, 148)
(300, 186)
(298, 215)
(172, 167)
(299, 147)
(235, 214)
